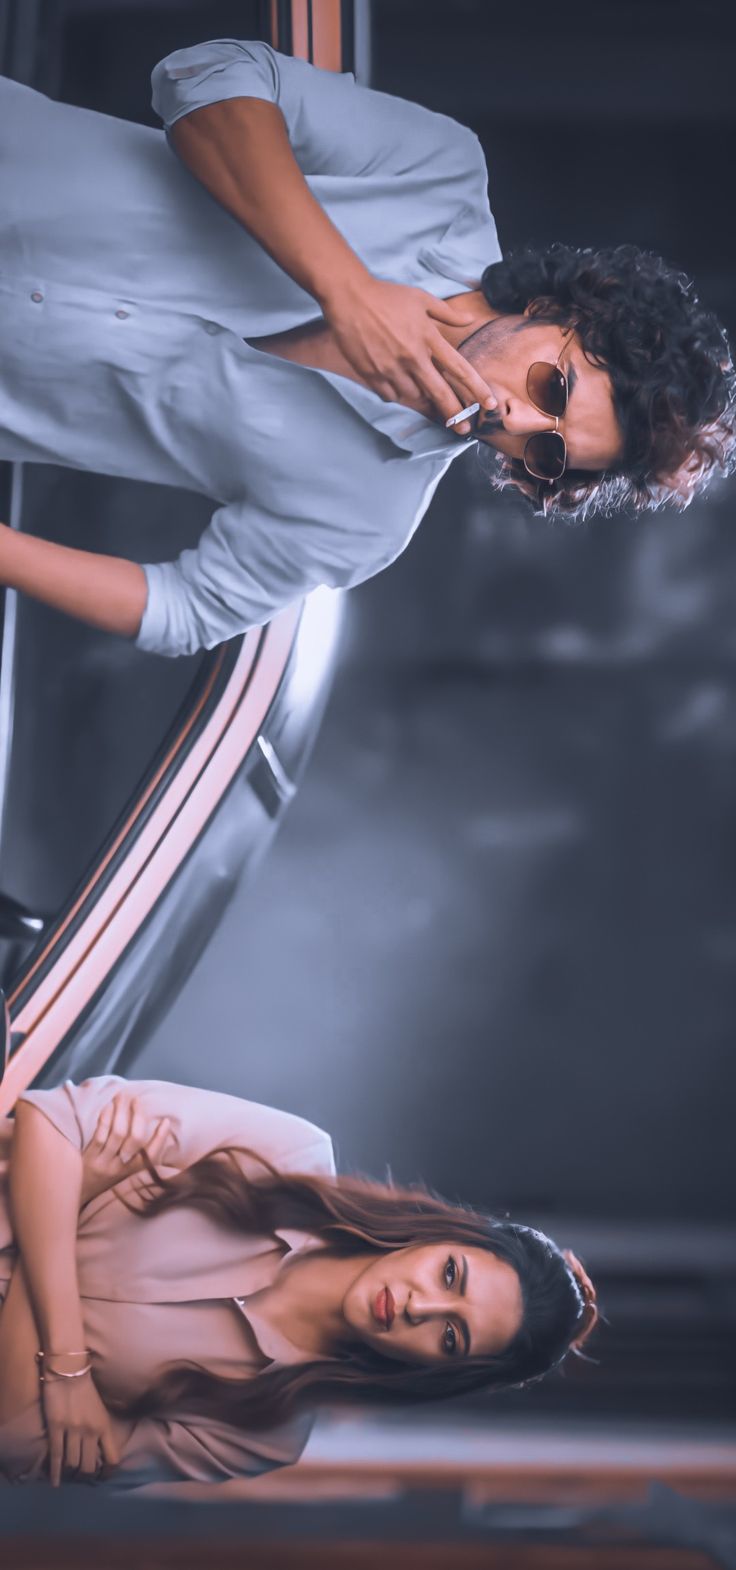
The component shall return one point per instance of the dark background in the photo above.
(494, 944)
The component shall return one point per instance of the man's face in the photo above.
(502, 352)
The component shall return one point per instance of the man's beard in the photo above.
(481, 349)
(484, 343)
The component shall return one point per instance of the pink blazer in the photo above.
(162, 1290)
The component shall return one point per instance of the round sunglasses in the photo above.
(545, 453)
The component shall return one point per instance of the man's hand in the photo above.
(389, 334)
(122, 1133)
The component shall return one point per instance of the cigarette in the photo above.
(463, 414)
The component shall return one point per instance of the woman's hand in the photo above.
(389, 334)
(123, 1131)
(79, 1428)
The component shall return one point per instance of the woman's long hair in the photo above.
(357, 1216)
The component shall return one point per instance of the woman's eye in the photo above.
(449, 1340)
(450, 1272)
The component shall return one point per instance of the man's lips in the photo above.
(384, 1307)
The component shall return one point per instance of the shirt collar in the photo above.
(272, 1342)
(410, 431)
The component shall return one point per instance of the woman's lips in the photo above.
(384, 1307)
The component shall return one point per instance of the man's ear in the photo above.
(542, 305)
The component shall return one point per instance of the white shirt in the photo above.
(126, 293)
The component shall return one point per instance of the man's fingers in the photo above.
(386, 390)
(444, 400)
(451, 311)
(429, 387)
(465, 381)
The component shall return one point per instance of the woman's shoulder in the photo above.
(211, 1118)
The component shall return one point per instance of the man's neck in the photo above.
(475, 302)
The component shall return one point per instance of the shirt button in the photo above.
(121, 315)
(211, 327)
(37, 296)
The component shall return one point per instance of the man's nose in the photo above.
(520, 418)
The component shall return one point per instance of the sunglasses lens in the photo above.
(547, 388)
(545, 455)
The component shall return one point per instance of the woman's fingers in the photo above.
(90, 1458)
(123, 1131)
(153, 1145)
(109, 1447)
(56, 1455)
(135, 1132)
(103, 1127)
(112, 1126)
(72, 1450)
(157, 1144)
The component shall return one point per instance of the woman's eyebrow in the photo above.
(463, 1323)
(572, 377)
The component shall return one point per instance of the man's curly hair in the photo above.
(668, 358)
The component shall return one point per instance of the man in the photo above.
(254, 311)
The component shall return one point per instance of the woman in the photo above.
(282, 309)
(185, 1279)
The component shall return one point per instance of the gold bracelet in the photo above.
(56, 1373)
(45, 1369)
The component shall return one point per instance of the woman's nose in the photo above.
(422, 1305)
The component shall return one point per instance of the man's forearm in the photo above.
(240, 150)
(105, 591)
(45, 1190)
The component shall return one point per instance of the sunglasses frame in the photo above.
(544, 479)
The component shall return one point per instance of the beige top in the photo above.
(177, 1286)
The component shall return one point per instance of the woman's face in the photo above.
(434, 1302)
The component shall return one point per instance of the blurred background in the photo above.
(493, 945)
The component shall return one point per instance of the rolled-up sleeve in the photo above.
(201, 1121)
(335, 125)
(207, 73)
(249, 565)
